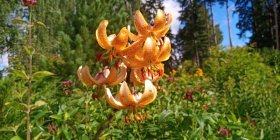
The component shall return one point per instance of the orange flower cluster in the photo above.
(140, 56)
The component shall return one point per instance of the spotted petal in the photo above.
(149, 95)
(113, 102)
(160, 20)
(126, 97)
(161, 33)
(165, 50)
(150, 49)
(120, 41)
(101, 35)
(141, 25)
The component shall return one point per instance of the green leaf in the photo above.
(42, 74)
(85, 137)
(19, 20)
(39, 104)
(40, 24)
(20, 74)
(16, 138)
(57, 117)
(67, 133)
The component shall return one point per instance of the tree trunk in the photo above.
(213, 25)
(276, 24)
(228, 22)
(207, 23)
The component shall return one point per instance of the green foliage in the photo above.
(246, 86)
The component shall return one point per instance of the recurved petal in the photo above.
(121, 76)
(101, 35)
(165, 50)
(85, 76)
(133, 62)
(141, 25)
(126, 97)
(150, 49)
(79, 73)
(161, 33)
(149, 95)
(133, 37)
(131, 49)
(113, 102)
(160, 20)
(112, 76)
(120, 41)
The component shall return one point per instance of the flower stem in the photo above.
(29, 79)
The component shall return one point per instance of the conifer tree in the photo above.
(193, 38)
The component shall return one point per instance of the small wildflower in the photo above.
(189, 95)
(31, 3)
(52, 129)
(224, 132)
(253, 123)
(173, 72)
(170, 79)
(199, 72)
(205, 107)
(67, 91)
(67, 83)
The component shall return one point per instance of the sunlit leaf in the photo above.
(20, 74)
(19, 20)
(42, 74)
(16, 138)
(40, 24)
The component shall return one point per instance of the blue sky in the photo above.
(220, 17)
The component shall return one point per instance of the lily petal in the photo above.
(112, 76)
(126, 97)
(101, 35)
(150, 49)
(160, 20)
(141, 25)
(85, 76)
(149, 95)
(165, 50)
(121, 76)
(161, 33)
(120, 41)
(131, 49)
(113, 102)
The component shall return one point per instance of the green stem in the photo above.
(29, 79)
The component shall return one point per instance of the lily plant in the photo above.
(139, 60)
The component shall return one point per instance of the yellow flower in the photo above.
(199, 72)
(124, 99)
(107, 76)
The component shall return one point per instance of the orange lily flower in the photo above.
(149, 54)
(117, 44)
(160, 28)
(107, 76)
(155, 73)
(124, 99)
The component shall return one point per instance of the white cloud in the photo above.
(173, 7)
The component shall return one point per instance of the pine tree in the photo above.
(257, 17)
(193, 38)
